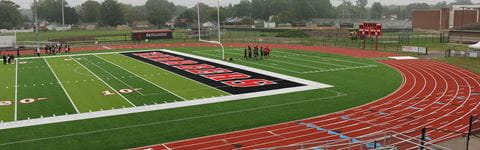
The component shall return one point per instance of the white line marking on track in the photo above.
(61, 85)
(103, 81)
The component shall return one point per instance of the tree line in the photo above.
(157, 12)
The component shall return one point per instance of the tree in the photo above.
(361, 9)
(462, 2)
(159, 11)
(111, 13)
(133, 13)
(71, 16)
(51, 10)
(439, 5)
(414, 6)
(10, 16)
(376, 11)
(90, 11)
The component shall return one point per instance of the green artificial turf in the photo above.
(357, 81)
(7, 92)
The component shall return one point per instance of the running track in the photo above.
(433, 94)
(332, 50)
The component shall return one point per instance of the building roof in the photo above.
(151, 31)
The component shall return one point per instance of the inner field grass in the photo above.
(38, 81)
(352, 88)
(7, 92)
(85, 88)
(137, 90)
(185, 88)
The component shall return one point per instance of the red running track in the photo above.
(433, 94)
(331, 50)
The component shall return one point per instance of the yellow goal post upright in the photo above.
(218, 42)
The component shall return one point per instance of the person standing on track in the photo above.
(4, 59)
(245, 54)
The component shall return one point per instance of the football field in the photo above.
(91, 83)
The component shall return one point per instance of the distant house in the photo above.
(141, 24)
(208, 25)
(269, 25)
(57, 27)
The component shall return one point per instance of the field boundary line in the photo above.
(74, 59)
(61, 85)
(16, 90)
(140, 77)
(168, 121)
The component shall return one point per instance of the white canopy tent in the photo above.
(475, 46)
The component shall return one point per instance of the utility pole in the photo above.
(37, 36)
(63, 16)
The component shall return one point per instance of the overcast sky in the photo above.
(27, 3)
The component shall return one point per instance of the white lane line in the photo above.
(106, 47)
(140, 77)
(61, 85)
(16, 89)
(102, 81)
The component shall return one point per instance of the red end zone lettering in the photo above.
(167, 59)
(185, 62)
(193, 67)
(229, 76)
(210, 71)
(249, 83)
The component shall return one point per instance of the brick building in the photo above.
(446, 18)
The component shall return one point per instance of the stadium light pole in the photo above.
(63, 16)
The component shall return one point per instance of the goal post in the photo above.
(199, 22)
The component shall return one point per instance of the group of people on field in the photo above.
(256, 53)
(8, 59)
(52, 49)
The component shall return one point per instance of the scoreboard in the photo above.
(370, 29)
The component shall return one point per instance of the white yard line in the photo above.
(61, 85)
(305, 66)
(115, 77)
(16, 90)
(140, 77)
(102, 81)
